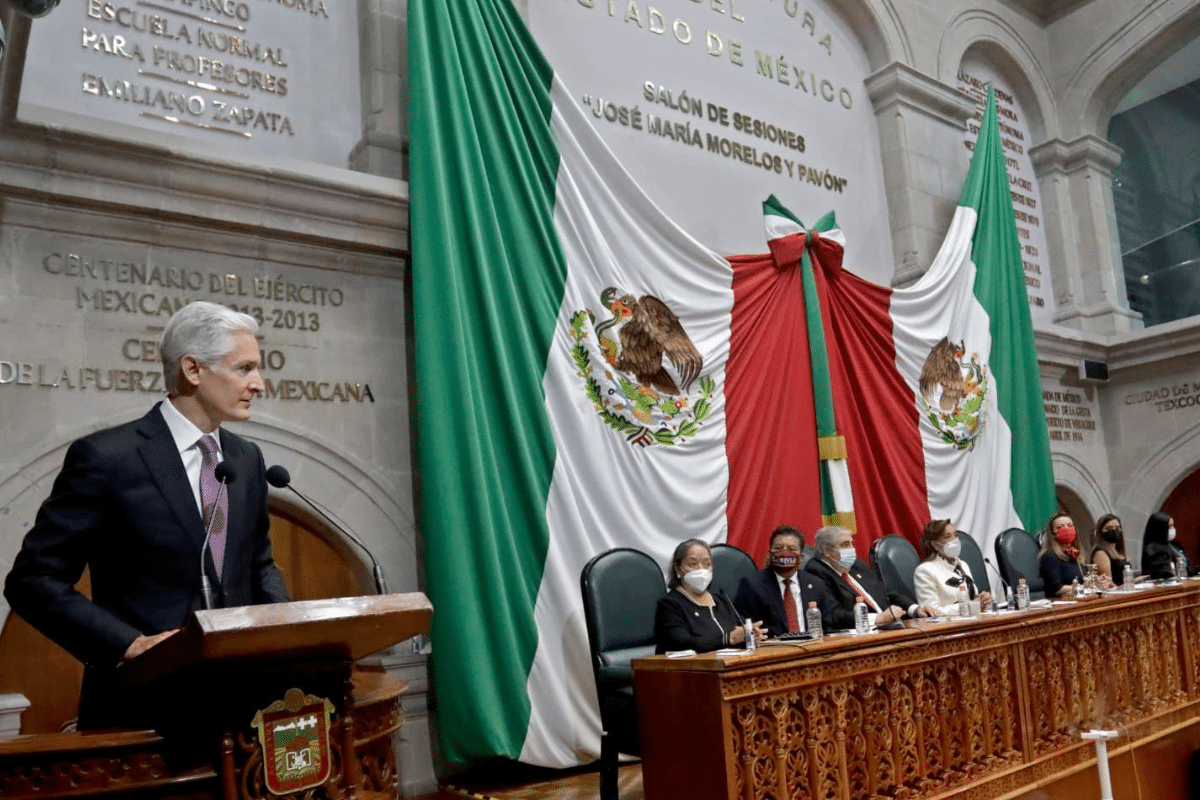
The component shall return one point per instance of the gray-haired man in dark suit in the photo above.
(133, 504)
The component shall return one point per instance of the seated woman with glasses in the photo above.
(690, 617)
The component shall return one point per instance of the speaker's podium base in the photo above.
(242, 704)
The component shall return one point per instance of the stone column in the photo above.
(12, 705)
(922, 125)
(1081, 232)
(414, 741)
(383, 70)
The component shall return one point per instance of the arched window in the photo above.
(1156, 189)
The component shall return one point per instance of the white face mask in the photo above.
(847, 556)
(952, 549)
(1170, 534)
(697, 580)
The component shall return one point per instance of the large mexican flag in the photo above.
(588, 376)
(577, 385)
(936, 386)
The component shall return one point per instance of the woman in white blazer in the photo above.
(941, 572)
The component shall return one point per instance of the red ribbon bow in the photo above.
(789, 250)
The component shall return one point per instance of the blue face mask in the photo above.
(847, 556)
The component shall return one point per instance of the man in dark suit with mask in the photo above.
(779, 595)
(134, 503)
(846, 577)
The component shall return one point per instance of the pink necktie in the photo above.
(214, 500)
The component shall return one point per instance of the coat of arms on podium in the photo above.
(294, 733)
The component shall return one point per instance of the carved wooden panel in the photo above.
(902, 733)
(97, 765)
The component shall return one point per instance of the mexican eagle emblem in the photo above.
(650, 366)
(952, 393)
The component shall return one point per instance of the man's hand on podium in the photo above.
(143, 643)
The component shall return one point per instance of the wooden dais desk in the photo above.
(979, 709)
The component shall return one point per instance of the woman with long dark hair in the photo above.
(1108, 553)
(1159, 549)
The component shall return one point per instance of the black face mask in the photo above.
(1112, 535)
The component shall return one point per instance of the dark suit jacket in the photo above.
(680, 624)
(760, 598)
(843, 593)
(122, 506)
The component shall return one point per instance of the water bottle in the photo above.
(1022, 595)
(862, 623)
(751, 642)
(812, 619)
(964, 602)
(1127, 578)
(1180, 569)
(1076, 589)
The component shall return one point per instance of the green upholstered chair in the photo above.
(730, 565)
(1017, 553)
(974, 558)
(621, 588)
(894, 560)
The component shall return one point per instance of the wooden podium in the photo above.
(243, 703)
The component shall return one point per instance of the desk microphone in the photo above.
(226, 475)
(1008, 592)
(725, 597)
(721, 594)
(279, 477)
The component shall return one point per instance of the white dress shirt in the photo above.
(187, 440)
(794, 588)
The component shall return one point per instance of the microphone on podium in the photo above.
(280, 478)
(225, 475)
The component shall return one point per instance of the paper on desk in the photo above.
(680, 653)
(729, 651)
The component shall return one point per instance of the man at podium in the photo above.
(165, 511)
